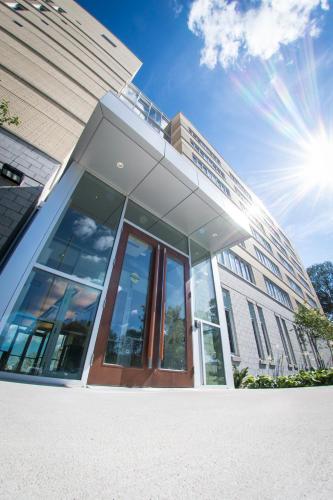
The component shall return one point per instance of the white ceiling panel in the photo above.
(160, 191)
(191, 214)
(108, 146)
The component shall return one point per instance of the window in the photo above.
(58, 9)
(82, 241)
(278, 245)
(48, 331)
(236, 264)
(286, 264)
(15, 6)
(210, 175)
(203, 145)
(287, 336)
(230, 321)
(265, 333)
(241, 187)
(304, 282)
(256, 332)
(207, 158)
(311, 301)
(298, 267)
(283, 340)
(205, 305)
(40, 7)
(277, 293)
(109, 40)
(302, 343)
(261, 239)
(295, 287)
(268, 263)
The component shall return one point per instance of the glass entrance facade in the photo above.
(49, 328)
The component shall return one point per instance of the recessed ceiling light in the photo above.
(214, 235)
(119, 164)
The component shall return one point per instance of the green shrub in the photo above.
(301, 379)
(239, 376)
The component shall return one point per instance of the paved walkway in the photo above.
(60, 443)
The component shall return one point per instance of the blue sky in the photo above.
(256, 78)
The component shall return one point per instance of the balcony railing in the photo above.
(146, 109)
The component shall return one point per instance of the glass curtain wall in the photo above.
(48, 330)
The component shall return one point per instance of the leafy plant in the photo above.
(316, 324)
(301, 379)
(321, 276)
(5, 116)
(239, 376)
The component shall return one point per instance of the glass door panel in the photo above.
(213, 355)
(174, 317)
(145, 333)
(127, 330)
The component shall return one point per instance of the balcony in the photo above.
(146, 110)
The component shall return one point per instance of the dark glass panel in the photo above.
(82, 241)
(213, 354)
(175, 319)
(127, 329)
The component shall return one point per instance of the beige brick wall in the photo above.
(54, 67)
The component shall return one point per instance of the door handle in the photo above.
(153, 309)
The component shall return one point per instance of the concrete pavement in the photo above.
(61, 443)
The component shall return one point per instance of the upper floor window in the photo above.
(286, 342)
(311, 301)
(286, 264)
(261, 239)
(15, 6)
(304, 282)
(256, 331)
(230, 321)
(277, 293)
(109, 40)
(203, 145)
(268, 263)
(40, 7)
(210, 175)
(207, 158)
(236, 264)
(295, 287)
(265, 333)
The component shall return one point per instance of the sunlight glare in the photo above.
(316, 168)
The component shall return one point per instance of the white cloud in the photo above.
(84, 227)
(177, 7)
(231, 33)
(103, 243)
(93, 258)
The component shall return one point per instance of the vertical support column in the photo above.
(223, 325)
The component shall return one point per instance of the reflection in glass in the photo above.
(175, 324)
(48, 331)
(82, 241)
(213, 355)
(127, 329)
(157, 227)
(205, 304)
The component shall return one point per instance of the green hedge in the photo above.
(301, 379)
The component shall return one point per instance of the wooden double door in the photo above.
(145, 335)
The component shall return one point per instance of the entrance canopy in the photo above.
(125, 151)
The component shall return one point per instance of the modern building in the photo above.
(57, 61)
(150, 263)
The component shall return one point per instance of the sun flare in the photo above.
(316, 166)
